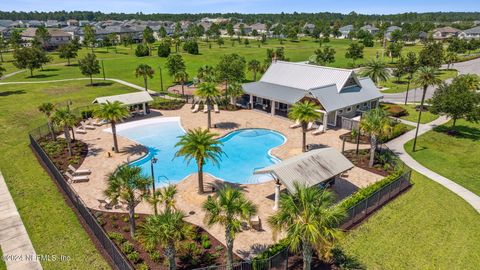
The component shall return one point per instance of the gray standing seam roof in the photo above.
(277, 92)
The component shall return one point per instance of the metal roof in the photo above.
(305, 76)
(277, 92)
(310, 168)
(474, 30)
(127, 99)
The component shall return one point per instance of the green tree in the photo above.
(64, 118)
(254, 66)
(376, 70)
(89, 37)
(426, 76)
(48, 108)
(167, 197)
(235, 91)
(175, 64)
(3, 46)
(325, 56)
(220, 42)
(67, 51)
(354, 52)
(42, 36)
(376, 124)
(89, 66)
(469, 81)
(228, 208)
(450, 59)
(182, 78)
(202, 146)
(310, 220)
(209, 92)
(304, 112)
(230, 30)
(394, 50)
(231, 68)
(162, 32)
(145, 71)
(431, 55)
(112, 112)
(142, 50)
(164, 49)
(206, 73)
(15, 38)
(128, 185)
(30, 58)
(127, 40)
(148, 38)
(191, 46)
(410, 66)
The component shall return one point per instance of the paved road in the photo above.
(415, 95)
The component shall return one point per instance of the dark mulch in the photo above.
(58, 152)
(193, 256)
(361, 160)
(348, 138)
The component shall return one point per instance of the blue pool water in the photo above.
(245, 150)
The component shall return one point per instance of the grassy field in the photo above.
(395, 86)
(52, 225)
(412, 116)
(455, 157)
(428, 227)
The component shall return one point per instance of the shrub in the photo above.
(133, 256)
(218, 248)
(116, 237)
(167, 104)
(143, 266)
(397, 130)
(88, 113)
(126, 229)
(395, 110)
(259, 262)
(125, 219)
(101, 221)
(164, 49)
(191, 46)
(142, 50)
(155, 256)
(128, 247)
(206, 244)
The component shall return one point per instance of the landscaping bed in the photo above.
(409, 112)
(204, 250)
(58, 152)
(167, 104)
(382, 164)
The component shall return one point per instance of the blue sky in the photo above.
(243, 6)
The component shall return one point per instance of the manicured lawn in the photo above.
(395, 86)
(455, 157)
(428, 227)
(52, 225)
(412, 116)
(2, 262)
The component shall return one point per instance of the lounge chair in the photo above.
(86, 126)
(80, 130)
(297, 124)
(319, 130)
(310, 126)
(78, 171)
(78, 178)
(215, 108)
(105, 203)
(256, 223)
(205, 108)
(196, 108)
(100, 122)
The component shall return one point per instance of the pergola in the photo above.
(129, 99)
(308, 169)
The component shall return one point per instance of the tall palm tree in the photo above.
(182, 78)
(235, 90)
(47, 109)
(426, 76)
(65, 118)
(229, 207)
(206, 73)
(304, 112)
(128, 185)
(112, 112)
(254, 66)
(376, 70)
(376, 123)
(209, 92)
(145, 71)
(202, 146)
(310, 219)
(166, 230)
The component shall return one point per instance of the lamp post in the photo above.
(153, 161)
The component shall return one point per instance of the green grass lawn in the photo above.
(53, 227)
(395, 86)
(412, 116)
(428, 227)
(455, 157)
(2, 262)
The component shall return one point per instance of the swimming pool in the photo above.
(245, 150)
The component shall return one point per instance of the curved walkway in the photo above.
(397, 146)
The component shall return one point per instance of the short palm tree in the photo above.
(209, 92)
(235, 90)
(310, 220)
(47, 109)
(145, 71)
(128, 185)
(112, 112)
(376, 123)
(165, 196)
(202, 146)
(254, 66)
(304, 112)
(65, 118)
(166, 230)
(426, 76)
(377, 70)
(206, 73)
(182, 78)
(229, 207)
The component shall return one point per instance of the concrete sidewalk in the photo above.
(14, 240)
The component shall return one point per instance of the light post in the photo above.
(153, 161)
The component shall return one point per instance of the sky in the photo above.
(243, 6)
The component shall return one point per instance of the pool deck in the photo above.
(248, 242)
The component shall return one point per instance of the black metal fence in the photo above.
(115, 254)
(278, 261)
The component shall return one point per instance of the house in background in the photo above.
(57, 37)
(237, 28)
(390, 30)
(72, 22)
(261, 28)
(445, 33)
(472, 33)
(339, 92)
(371, 29)
(345, 30)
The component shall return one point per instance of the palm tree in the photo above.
(47, 108)
(376, 70)
(166, 229)
(229, 207)
(235, 90)
(254, 66)
(202, 146)
(182, 78)
(209, 92)
(166, 196)
(66, 119)
(304, 112)
(206, 73)
(376, 123)
(310, 219)
(426, 76)
(112, 112)
(128, 185)
(145, 71)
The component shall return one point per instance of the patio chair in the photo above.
(99, 122)
(319, 130)
(310, 126)
(215, 108)
(80, 130)
(256, 223)
(78, 178)
(297, 124)
(86, 126)
(205, 108)
(196, 108)
(78, 171)
(105, 203)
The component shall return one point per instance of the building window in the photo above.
(340, 111)
(365, 104)
(349, 109)
(358, 106)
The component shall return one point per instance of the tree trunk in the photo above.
(229, 244)
(183, 91)
(1, 56)
(373, 148)
(145, 83)
(31, 72)
(114, 132)
(68, 61)
(406, 93)
(209, 117)
(454, 121)
(67, 138)
(170, 254)
(307, 255)
(131, 214)
(91, 80)
(200, 178)
(304, 137)
(254, 76)
(425, 87)
(52, 132)
(73, 134)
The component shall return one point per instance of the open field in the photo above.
(455, 157)
(412, 116)
(52, 225)
(428, 227)
(395, 86)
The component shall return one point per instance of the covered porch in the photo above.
(131, 99)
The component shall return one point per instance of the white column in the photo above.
(251, 101)
(277, 196)
(272, 110)
(144, 108)
(325, 121)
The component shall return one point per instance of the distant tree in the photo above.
(191, 46)
(2, 70)
(231, 68)
(396, 35)
(254, 66)
(29, 58)
(325, 56)
(145, 71)
(394, 50)
(64, 118)
(113, 112)
(15, 39)
(67, 51)
(376, 124)
(162, 32)
(175, 64)
(3, 46)
(367, 40)
(48, 108)
(450, 59)
(164, 49)
(304, 112)
(142, 50)
(254, 33)
(246, 42)
(89, 66)
(431, 55)
(181, 77)
(235, 90)
(410, 66)
(148, 38)
(457, 45)
(89, 37)
(127, 40)
(220, 42)
(230, 30)
(354, 52)
(42, 36)
(376, 70)
(398, 72)
(113, 41)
